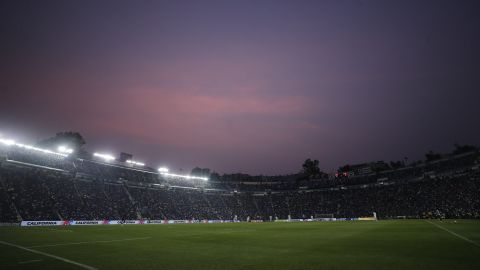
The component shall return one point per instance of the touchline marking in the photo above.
(30, 261)
(454, 233)
(91, 242)
(50, 255)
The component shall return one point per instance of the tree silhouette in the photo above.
(70, 139)
(310, 167)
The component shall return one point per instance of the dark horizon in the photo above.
(244, 86)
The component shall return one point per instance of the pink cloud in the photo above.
(210, 104)
(189, 120)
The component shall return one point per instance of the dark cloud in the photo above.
(253, 86)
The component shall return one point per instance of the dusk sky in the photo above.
(244, 86)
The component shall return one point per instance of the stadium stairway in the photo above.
(8, 200)
(139, 215)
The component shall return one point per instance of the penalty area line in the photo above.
(453, 233)
(50, 255)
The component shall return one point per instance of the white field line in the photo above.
(454, 233)
(50, 255)
(30, 261)
(90, 242)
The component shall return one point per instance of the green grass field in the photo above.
(329, 245)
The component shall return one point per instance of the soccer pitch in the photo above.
(408, 244)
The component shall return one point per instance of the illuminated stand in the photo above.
(64, 151)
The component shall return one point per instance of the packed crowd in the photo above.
(35, 186)
(39, 194)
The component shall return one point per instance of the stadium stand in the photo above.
(39, 186)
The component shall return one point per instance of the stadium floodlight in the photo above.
(184, 176)
(163, 169)
(104, 156)
(64, 149)
(136, 163)
(10, 142)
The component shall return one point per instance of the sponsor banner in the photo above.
(367, 218)
(43, 223)
(119, 222)
(156, 221)
(324, 219)
(348, 219)
(214, 221)
(87, 222)
(178, 221)
(218, 221)
(183, 221)
(256, 220)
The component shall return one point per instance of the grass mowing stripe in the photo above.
(90, 242)
(51, 256)
(453, 233)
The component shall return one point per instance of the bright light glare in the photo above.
(163, 169)
(7, 142)
(185, 176)
(10, 142)
(63, 149)
(136, 163)
(104, 156)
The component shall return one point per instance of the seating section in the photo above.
(37, 194)
(39, 186)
